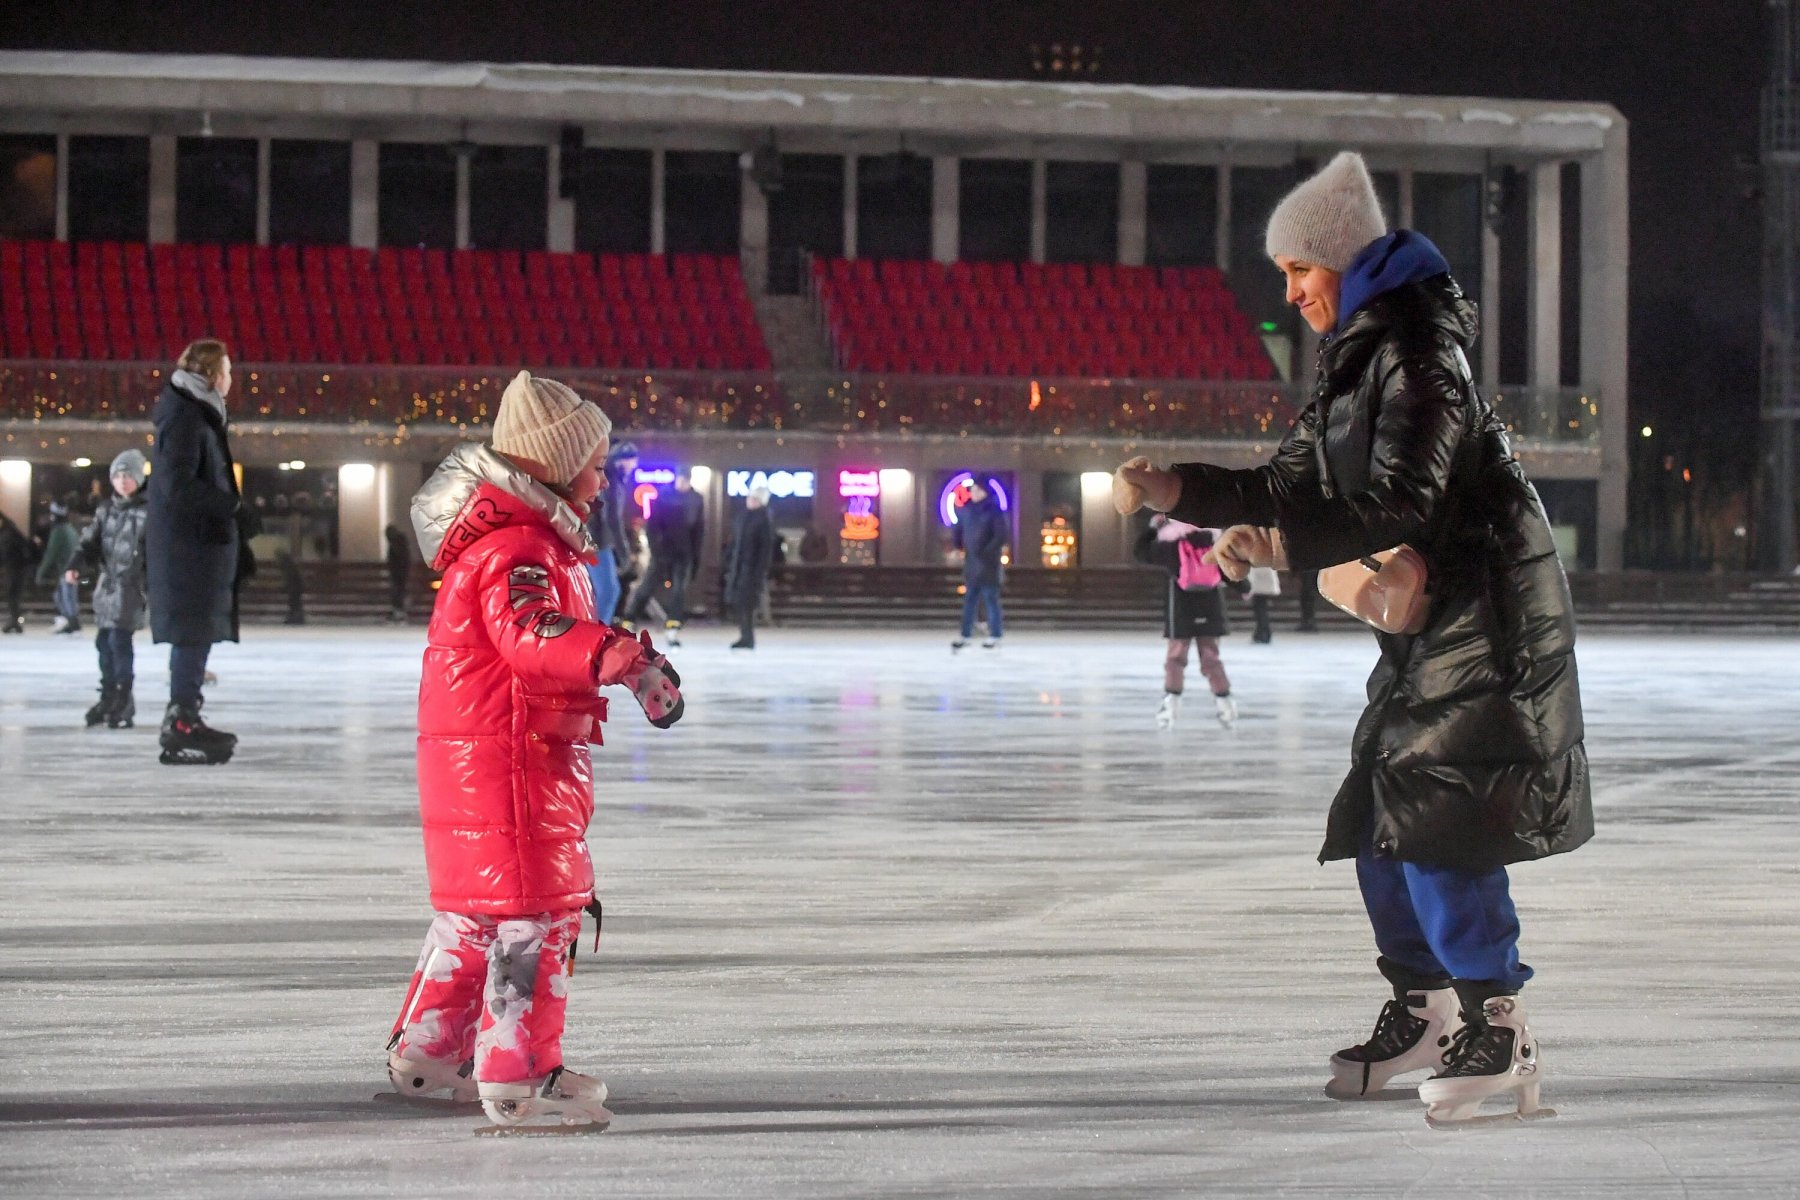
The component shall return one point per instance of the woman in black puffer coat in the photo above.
(1469, 756)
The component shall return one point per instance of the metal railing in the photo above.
(812, 402)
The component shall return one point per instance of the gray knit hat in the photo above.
(545, 425)
(132, 463)
(1328, 219)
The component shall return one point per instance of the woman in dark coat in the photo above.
(1193, 613)
(1469, 756)
(981, 533)
(196, 548)
(747, 565)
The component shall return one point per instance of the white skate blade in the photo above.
(1482, 1122)
(559, 1129)
(444, 1104)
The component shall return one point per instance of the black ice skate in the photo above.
(1414, 1032)
(97, 712)
(189, 741)
(1493, 1054)
(123, 713)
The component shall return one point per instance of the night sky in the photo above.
(1686, 75)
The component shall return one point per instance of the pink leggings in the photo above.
(1211, 665)
(493, 988)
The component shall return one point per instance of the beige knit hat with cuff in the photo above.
(544, 425)
(1328, 219)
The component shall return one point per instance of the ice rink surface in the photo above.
(886, 922)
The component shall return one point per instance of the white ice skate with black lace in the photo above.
(1495, 1056)
(1410, 1035)
(560, 1103)
(430, 1083)
(1169, 711)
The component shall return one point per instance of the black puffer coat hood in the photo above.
(1470, 752)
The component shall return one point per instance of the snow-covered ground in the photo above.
(884, 921)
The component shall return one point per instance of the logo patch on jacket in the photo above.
(528, 592)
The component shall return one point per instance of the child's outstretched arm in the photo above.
(539, 640)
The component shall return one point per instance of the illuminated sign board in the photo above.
(653, 475)
(859, 483)
(783, 485)
(956, 493)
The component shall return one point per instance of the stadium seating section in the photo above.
(335, 304)
(1061, 319)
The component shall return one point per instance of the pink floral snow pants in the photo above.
(494, 988)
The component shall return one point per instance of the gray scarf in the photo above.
(200, 388)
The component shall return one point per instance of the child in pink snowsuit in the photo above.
(508, 706)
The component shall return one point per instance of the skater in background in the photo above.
(61, 539)
(1193, 614)
(981, 533)
(1306, 586)
(113, 546)
(16, 553)
(293, 583)
(195, 542)
(1469, 757)
(1265, 585)
(509, 706)
(676, 526)
(399, 571)
(606, 525)
(747, 565)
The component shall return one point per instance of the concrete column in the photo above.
(1134, 212)
(1040, 210)
(15, 491)
(1490, 309)
(365, 193)
(902, 543)
(659, 174)
(1222, 229)
(62, 187)
(360, 513)
(1028, 518)
(754, 235)
(262, 191)
(559, 224)
(1102, 528)
(395, 483)
(851, 189)
(1605, 282)
(162, 189)
(462, 201)
(1404, 218)
(1545, 295)
(946, 208)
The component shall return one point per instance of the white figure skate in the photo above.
(431, 1083)
(560, 1103)
(1410, 1035)
(1491, 1057)
(1227, 710)
(1168, 711)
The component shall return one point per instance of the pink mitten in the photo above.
(655, 684)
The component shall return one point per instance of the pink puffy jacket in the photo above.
(508, 701)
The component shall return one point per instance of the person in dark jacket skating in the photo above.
(747, 565)
(1193, 613)
(113, 546)
(981, 533)
(399, 570)
(196, 542)
(60, 542)
(1469, 757)
(677, 527)
(16, 553)
(606, 525)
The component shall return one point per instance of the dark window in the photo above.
(215, 189)
(1181, 215)
(1255, 191)
(994, 209)
(509, 197)
(893, 206)
(612, 202)
(109, 189)
(27, 186)
(1448, 210)
(805, 216)
(1081, 212)
(1513, 322)
(309, 193)
(1571, 274)
(702, 204)
(1387, 190)
(418, 195)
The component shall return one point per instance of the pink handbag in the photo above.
(1196, 573)
(1385, 589)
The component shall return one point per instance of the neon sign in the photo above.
(653, 475)
(781, 484)
(859, 483)
(956, 494)
(860, 522)
(644, 496)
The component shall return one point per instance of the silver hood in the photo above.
(437, 505)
